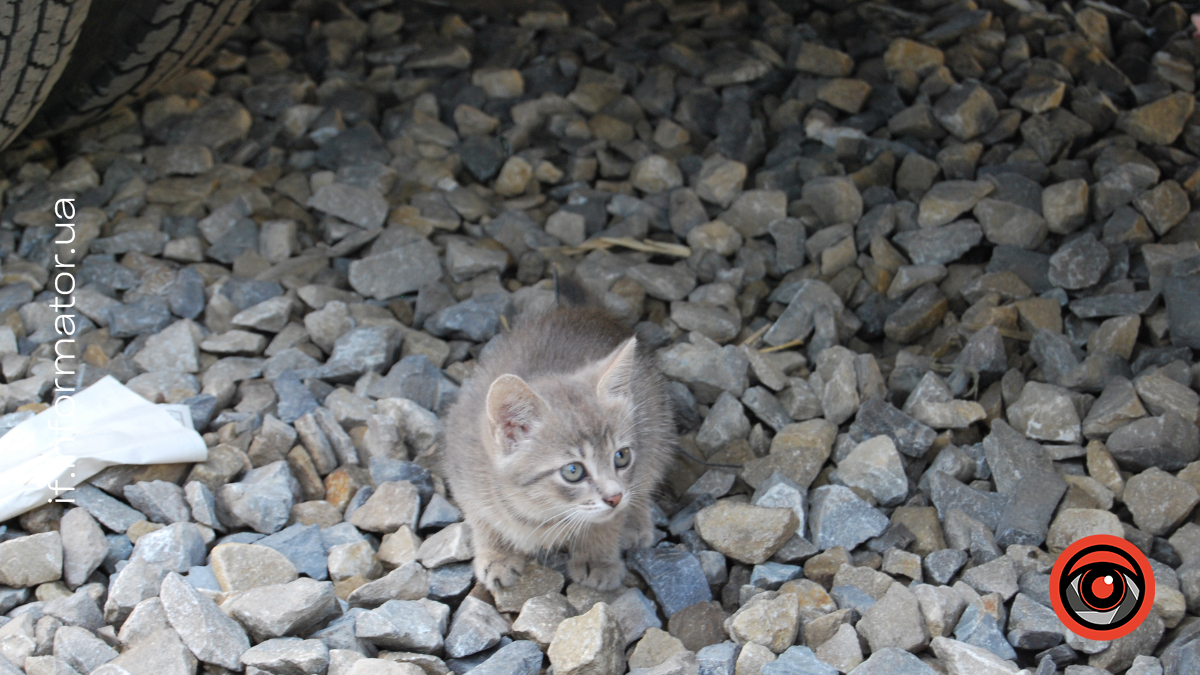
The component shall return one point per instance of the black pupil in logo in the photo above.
(1102, 595)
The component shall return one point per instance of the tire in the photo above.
(36, 42)
(123, 50)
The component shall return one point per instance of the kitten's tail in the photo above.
(568, 292)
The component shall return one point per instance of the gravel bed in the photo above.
(923, 276)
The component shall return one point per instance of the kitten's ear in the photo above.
(616, 372)
(512, 409)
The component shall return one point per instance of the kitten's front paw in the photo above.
(497, 569)
(602, 575)
(637, 538)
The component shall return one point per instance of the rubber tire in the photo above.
(36, 42)
(126, 48)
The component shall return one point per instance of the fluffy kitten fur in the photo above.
(570, 385)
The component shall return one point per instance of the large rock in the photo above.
(399, 271)
(287, 609)
(590, 644)
(838, 517)
(746, 533)
(895, 621)
(874, 466)
(31, 560)
(676, 576)
(207, 631)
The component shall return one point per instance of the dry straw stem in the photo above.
(605, 243)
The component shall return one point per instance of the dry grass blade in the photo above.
(779, 348)
(605, 243)
(756, 335)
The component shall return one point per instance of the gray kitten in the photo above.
(557, 441)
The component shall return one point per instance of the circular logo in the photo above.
(1102, 587)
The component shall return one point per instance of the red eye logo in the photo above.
(1102, 587)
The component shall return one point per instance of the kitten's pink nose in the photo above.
(613, 500)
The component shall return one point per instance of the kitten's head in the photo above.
(565, 445)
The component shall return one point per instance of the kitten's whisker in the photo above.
(561, 526)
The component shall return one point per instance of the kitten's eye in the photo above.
(573, 472)
(622, 457)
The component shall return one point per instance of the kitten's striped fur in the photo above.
(569, 385)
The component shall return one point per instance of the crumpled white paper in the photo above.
(109, 424)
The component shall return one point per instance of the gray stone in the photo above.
(725, 423)
(718, 659)
(400, 625)
(966, 111)
(797, 320)
(31, 560)
(798, 660)
(83, 546)
(148, 314)
(207, 631)
(477, 319)
(942, 565)
(301, 544)
(77, 609)
(476, 627)
(109, 512)
(947, 200)
(1122, 651)
(409, 581)
(1032, 625)
(1045, 412)
(960, 658)
(203, 504)
(874, 466)
(940, 245)
(541, 615)
(520, 657)
(288, 656)
(676, 577)
(177, 547)
(396, 272)
(1168, 442)
(707, 369)
(439, 513)
(779, 491)
(1026, 518)
(393, 504)
(450, 545)
(172, 349)
(979, 628)
(262, 500)
(1159, 501)
(450, 582)
(1182, 312)
(81, 650)
(878, 417)
(895, 621)
(162, 502)
(286, 609)
(1065, 205)
(838, 517)
(1079, 263)
(835, 199)
(893, 661)
(720, 180)
(997, 576)
(747, 533)
(365, 208)
(136, 582)
(295, 399)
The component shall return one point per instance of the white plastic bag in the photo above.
(102, 425)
